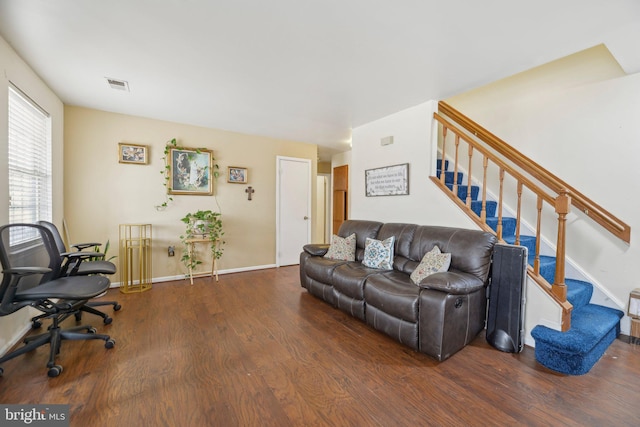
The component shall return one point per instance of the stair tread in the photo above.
(578, 292)
(589, 324)
(508, 225)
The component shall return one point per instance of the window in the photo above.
(29, 162)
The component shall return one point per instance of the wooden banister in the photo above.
(528, 175)
(503, 165)
(594, 211)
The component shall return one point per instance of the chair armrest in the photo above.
(26, 271)
(316, 249)
(82, 255)
(452, 282)
(83, 246)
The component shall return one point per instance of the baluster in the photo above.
(536, 260)
(444, 151)
(469, 177)
(455, 168)
(519, 212)
(499, 227)
(563, 201)
(483, 212)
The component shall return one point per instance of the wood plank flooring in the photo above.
(255, 349)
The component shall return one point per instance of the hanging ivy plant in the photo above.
(166, 171)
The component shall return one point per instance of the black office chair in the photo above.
(31, 267)
(81, 263)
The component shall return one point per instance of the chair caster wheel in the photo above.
(107, 320)
(92, 330)
(109, 343)
(117, 307)
(36, 324)
(54, 371)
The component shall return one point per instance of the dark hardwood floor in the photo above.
(255, 349)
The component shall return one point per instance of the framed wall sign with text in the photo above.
(387, 181)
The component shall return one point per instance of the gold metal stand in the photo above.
(191, 249)
(135, 258)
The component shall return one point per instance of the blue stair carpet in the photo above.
(593, 327)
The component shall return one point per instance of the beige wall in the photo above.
(324, 167)
(102, 193)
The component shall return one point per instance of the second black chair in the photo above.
(82, 263)
(31, 277)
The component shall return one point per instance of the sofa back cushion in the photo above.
(470, 249)
(363, 229)
(404, 234)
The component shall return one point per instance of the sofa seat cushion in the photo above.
(393, 293)
(321, 269)
(349, 279)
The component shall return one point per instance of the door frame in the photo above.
(309, 200)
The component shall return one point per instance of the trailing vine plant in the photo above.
(205, 224)
(166, 171)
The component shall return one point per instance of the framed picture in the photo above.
(190, 171)
(387, 181)
(132, 153)
(237, 175)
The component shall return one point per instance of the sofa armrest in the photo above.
(452, 282)
(316, 249)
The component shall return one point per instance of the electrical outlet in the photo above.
(171, 251)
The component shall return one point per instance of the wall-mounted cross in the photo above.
(249, 192)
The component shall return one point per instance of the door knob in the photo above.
(306, 218)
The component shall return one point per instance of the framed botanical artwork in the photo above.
(190, 171)
(237, 175)
(132, 153)
(387, 181)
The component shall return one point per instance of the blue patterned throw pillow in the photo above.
(378, 254)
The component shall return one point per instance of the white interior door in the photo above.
(293, 194)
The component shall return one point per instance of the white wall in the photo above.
(14, 69)
(412, 143)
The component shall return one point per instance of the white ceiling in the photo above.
(304, 70)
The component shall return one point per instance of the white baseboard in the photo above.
(14, 339)
(220, 272)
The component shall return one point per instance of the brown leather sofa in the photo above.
(438, 317)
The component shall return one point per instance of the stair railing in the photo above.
(541, 186)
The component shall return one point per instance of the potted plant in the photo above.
(202, 224)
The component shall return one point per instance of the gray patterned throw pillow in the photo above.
(433, 261)
(342, 248)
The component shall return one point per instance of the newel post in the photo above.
(563, 201)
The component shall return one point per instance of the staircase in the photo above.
(593, 327)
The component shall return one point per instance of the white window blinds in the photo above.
(29, 161)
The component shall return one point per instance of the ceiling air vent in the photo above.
(118, 84)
